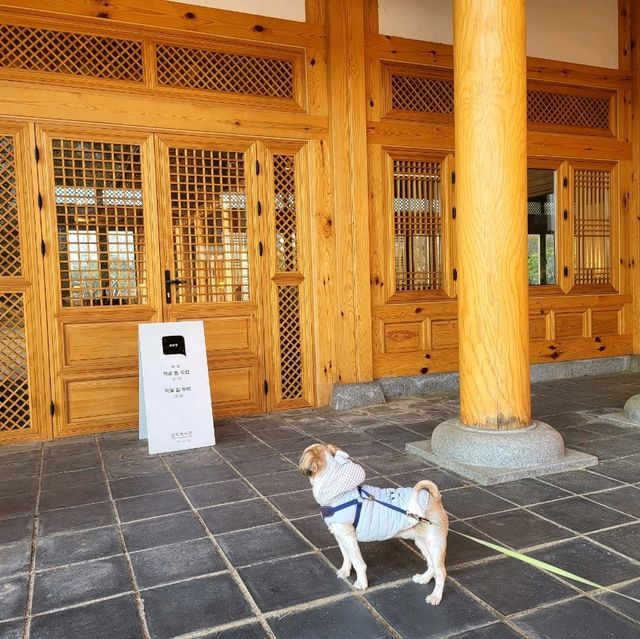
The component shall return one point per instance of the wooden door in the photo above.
(210, 260)
(102, 268)
(24, 389)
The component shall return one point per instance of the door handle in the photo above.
(167, 285)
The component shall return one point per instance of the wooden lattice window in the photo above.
(417, 225)
(100, 218)
(209, 220)
(541, 225)
(226, 72)
(14, 381)
(563, 109)
(290, 342)
(285, 207)
(421, 94)
(10, 260)
(592, 226)
(76, 54)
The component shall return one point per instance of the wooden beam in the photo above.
(348, 135)
(491, 189)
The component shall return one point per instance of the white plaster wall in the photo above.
(287, 9)
(580, 31)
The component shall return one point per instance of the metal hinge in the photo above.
(36, 153)
(260, 248)
(52, 408)
(455, 274)
(43, 248)
(565, 270)
(259, 207)
(257, 167)
(453, 177)
(454, 212)
(266, 387)
(40, 201)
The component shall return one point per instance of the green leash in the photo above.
(536, 563)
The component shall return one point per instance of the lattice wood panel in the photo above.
(10, 259)
(291, 380)
(76, 54)
(417, 225)
(422, 94)
(592, 226)
(209, 221)
(100, 218)
(14, 381)
(286, 240)
(223, 71)
(546, 107)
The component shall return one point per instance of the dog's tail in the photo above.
(435, 498)
(430, 487)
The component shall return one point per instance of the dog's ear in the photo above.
(333, 449)
(312, 460)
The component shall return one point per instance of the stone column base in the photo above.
(496, 456)
(630, 415)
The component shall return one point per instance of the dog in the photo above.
(357, 512)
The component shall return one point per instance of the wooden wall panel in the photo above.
(110, 402)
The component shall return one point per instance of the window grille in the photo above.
(209, 220)
(10, 260)
(592, 226)
(100, 218)
(418, 93)
(76, 54)
(547, 107)
(417, 225)
(285, 207)
(290, 342)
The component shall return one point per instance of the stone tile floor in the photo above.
(100, 540)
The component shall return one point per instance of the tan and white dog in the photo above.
(356, 512)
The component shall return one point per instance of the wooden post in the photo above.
(634, 49)
(491, 192)
(348, 135)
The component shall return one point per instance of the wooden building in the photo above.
(290, 182)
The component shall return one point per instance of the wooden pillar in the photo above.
(348, 137)
(633, 16)
(491, 192)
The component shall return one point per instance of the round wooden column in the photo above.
(491, 195)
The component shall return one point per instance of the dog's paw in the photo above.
(434, 598)
(343, 573)
(360, 584)
(423, 578)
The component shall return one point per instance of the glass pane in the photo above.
(100, 215)
(541, 222)
(417, 225)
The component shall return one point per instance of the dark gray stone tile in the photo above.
(23, 504)
(622, 604)
(111, 619)
(519, 529)
(528, 587)
(169, 529)
(246, 514)
(78, 518)
(494, 631)
(590, 561)
(192, 476)
(625, 539)
(316, 531)
(174, 562)
(442, 479)
(153, 505)
(82, 582)
(137, 468)
(461, 550)
(243, 453)
(13, 597)
(298, 504)
(386, 561)
(404, 607)
(527, 491)
(620, 469)
(345, 619)
(68, 548)
(245, 631)
(142, 485)
(63, 463)
(72, 479)
(74, 496)
(12, 629)
(18, 486)
(580, 514)
(393, 463)
(16, 529)
(193, 605)
(473, 501)
(263, 466)
(576, 619)
(14, 558)
(626, 499)
(283, 583)
(261, 544)
(278, 483)
(69, 447)
(221, 492)
(580, 481)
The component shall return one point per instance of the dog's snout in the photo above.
(307, 472)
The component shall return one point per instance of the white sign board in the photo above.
(174, 397)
